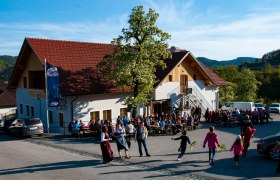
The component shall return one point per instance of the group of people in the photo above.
(257, 115)
(126, 129)
(123, 134)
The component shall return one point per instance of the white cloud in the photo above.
(253, 35)
(13, 34)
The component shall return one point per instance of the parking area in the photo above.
(164, 153)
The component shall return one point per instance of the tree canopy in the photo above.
(138, 53)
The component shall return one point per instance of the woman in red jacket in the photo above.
(247, 137)
(212, 139)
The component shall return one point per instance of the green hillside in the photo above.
(235, 62)
(6, 66)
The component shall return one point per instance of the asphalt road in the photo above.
(24, 160)
(62, 157)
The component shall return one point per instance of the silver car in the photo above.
(274, 107)
(26, 127)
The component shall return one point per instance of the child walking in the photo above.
(237, 148)
(184, 140)
(212, 139)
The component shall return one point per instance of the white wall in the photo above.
(209, 92)
(82, 107)
(167, 89)
(98, 102)
(39, 104)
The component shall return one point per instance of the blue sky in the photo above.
(217, 29)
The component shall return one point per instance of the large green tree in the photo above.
(247, 86)
(227, 92)
(138, 52)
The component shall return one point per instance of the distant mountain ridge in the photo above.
(10, 60)
(236, 62)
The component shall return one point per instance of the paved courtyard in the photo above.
(164, 155)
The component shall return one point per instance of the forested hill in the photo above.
(6, 66)
(8, 59)
(236, 62)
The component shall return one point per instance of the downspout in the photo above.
(72, 108)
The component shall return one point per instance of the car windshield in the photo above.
(32, 121)
(258, 105)
(274, 105)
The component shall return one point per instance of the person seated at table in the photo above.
(81, 123)
(149, 120)
(162, 123)
(75, 127)
(190, 120)
(156, 124)
(70, 126)
(92, 125)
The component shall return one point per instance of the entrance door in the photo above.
(184, 84)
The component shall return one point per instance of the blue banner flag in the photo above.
(53, 85)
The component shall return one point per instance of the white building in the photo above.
(85, 95)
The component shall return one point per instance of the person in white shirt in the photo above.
(130, 129)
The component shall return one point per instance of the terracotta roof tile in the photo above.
(3, 85)
(217, 80)
(76, 62)
(8, 98)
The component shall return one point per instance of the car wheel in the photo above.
(274, 153)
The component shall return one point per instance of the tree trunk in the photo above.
(135, 94)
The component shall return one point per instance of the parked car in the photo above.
(259, 106)
(5, 124)
(267, 146)
(239, 105)
(26, 127)
(274, 107)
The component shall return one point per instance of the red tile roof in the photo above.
(3, 85)
(213, 76)
(8, 99)
(76, 62)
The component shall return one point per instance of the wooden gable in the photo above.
(190, 68)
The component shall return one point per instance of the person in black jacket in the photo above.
(184, 140)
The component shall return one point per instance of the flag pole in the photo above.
(47, 101)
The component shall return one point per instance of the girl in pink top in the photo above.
(212, 140)
(237, 148)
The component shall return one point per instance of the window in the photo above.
(36, 79)
(21, 108)
(50, 117)
(123, 112)
(27, 110)
(24, 82)
(107, 115)
(61, 120)
(94, 115)
(170, 78)
(194, 77)
(32, 111)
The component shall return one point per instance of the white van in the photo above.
(239, 105)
